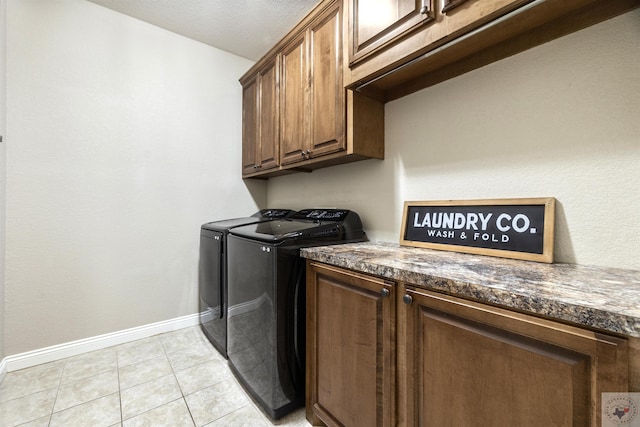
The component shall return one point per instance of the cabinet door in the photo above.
(293, 101)
(250, 132)
(469, 364)
(461, 16)
(269, 116)
(350, 348)
(326, 92)
(374, 24)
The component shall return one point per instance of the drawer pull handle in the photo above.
(385, 292)
(407, 299)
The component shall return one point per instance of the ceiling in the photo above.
(247, 28)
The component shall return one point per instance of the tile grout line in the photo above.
(53, 411)
(165, 345)
(178, 382)
(53, 407)
(119, 387)
(182, 396)
(122, 419)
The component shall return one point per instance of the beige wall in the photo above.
(3, 8)
(122, 139)
(119, 139)
(560, 120)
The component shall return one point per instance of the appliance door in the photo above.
(264, 351)
(211, 286)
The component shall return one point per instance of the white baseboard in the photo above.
(3, 369)
(61, 351)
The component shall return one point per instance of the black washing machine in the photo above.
(212, 273)
(266, 322)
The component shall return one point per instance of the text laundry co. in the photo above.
(504, 222)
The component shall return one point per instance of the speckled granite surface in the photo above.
(603, 298)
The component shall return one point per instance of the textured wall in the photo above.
(122, 139)
(558, 120)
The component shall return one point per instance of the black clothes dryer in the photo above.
(267, 282)
(212, 273)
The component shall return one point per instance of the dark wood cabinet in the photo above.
(376, 24)
(269, 107)
(327, 115)
(294, 99)
(316, 122)
(260, 119)
(397, 47)
(250, 130)
(350, 348)
(316, 99)
(313, 101)
(385, 34)
(381, 353)
(470, 364)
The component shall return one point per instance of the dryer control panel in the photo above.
(322, 214)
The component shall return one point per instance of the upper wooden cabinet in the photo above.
(250, 130)
(397, 47)
(316, 99)
(376, 24)
(294, 100)
(313, 104)
(319, 122)
(260, 120)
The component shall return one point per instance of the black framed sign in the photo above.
(508, 228)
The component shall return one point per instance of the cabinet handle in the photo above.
(424, 9)
(308, 152)
(385, 292)
(407, 299)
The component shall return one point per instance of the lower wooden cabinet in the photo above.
(384, 354)
(350, 348)
(469, 364)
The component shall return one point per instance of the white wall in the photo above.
(560, 120)
(3, 9)
(122, 139)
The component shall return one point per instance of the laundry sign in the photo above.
(509, 228)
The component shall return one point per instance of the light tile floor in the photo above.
(174, 379)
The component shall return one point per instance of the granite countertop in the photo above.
(607, 299)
